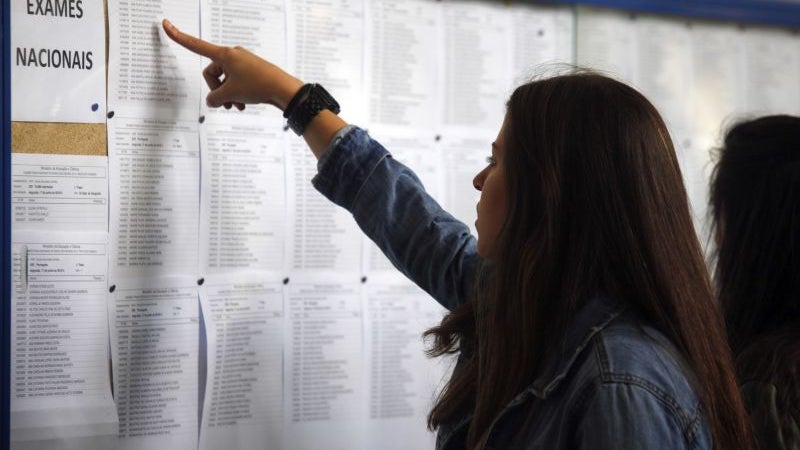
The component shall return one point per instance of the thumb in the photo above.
(219, 96)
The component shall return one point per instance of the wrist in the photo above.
(286, 93)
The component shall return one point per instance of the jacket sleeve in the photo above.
(390, 205)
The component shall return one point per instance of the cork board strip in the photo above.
(58, 138)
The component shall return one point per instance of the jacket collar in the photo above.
(592, 318)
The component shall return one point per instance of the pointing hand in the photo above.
(236, 76)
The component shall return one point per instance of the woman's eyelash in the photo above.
(490, 160)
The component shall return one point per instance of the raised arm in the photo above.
(387, 200)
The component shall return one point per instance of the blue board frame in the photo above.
(772, 12)
(5, 227)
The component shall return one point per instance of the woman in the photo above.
(591, 324)
(755, 205)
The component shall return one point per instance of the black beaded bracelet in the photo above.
(306, 104)
(297, 99)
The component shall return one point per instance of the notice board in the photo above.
(176, 282)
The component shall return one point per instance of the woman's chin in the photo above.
(484, 251)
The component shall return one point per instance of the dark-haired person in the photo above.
(583, 315)
(755, 206)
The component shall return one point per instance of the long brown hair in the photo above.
(596, 205)
(755, 207)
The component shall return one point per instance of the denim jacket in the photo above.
(618, 383)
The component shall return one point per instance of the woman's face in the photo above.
(492, 205)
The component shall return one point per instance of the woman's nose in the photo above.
(477, 182)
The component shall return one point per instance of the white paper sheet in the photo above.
(718, 77)
(402, 380)
(243, 199)
(258, 26)
(68, 193)
(401, 62)
(324, 237)
(326, 45)
(60, 387)
(154, 348)
(773, 71)
(664, 68)
(324, 387)
(154, 170)
(703, 77)
(149, 76)
(464, 156)
(717, 87)
(606, 41)
(58, 75)
(543, 41)
(243, 407)
(564, 29)
(476, 66)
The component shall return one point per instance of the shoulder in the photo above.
(630, 351)
(632, 376)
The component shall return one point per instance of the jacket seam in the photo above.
(686, 422)
(601, 355)
(354, 203)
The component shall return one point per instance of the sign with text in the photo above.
(58, 61)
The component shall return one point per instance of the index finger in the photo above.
(192, 43)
